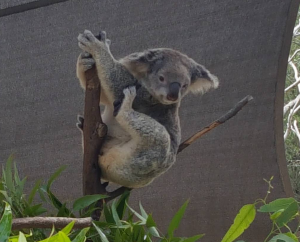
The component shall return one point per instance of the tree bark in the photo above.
(94, 132)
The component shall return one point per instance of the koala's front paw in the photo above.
(88, 42)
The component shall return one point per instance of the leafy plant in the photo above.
(119, 222)
(281, 212)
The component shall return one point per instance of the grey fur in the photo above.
(144, 136)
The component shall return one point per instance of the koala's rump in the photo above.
(125, 162)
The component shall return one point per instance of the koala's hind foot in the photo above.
(80, 122)
(118, 103)
(126, 103)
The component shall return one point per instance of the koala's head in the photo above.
(169, 75)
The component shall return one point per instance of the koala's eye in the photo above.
(161, 78)
(184, 86)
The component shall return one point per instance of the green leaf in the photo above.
(281, 237)
(5, 223)
(150, 222)
(62, 237)
(102, 235)
(176, 219)
(86, 201)
(291, 235)
(7, 174)
(121, 204)
(108, 215)
(137, 214)
(57, 204)
(54, 176)
(22, 237)
(117, 237)
(59, 237)
(19, 184)
(33, 191)
(194, 238)
(241, 222)
(275, 215)
(66, 230)
(115, 214)
(34, 210)
(287, 214)
(81, 236)
(7, 198)
(143, 212)
(63, 211)
(281, 203)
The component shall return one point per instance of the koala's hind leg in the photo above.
(145, 129)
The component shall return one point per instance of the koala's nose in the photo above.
(174, 89)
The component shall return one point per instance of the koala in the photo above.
(141, 93)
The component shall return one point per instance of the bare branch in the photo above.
(296, 76)
(296, 29)
(293, 55)
(49, 222)
(289, 121)
(231, 113)
(296, 130)
(289, 105)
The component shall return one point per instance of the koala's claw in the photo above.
(80, 122)
(101, 36)
(117, 106)
(108, 42)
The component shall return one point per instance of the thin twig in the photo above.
(49, 222)
(289, 105)
(232, 112)
(296, 76)
(112, 195)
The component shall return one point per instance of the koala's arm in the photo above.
(113, 76)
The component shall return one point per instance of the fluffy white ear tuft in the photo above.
(202, 80)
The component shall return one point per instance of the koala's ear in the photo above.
(202, 80)
(139, 64)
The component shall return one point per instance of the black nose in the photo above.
(173, 91)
